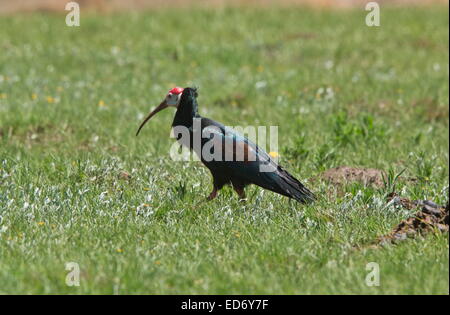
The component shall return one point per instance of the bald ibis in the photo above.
(255, 166)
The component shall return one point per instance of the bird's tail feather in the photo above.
(294, 189)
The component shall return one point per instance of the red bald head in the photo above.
(174, 96)
(176, 90)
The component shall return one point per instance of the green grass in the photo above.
(341, 93)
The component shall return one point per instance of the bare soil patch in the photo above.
(343, 175)
(430, 218)
(33, 135)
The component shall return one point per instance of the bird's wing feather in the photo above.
(256, 167)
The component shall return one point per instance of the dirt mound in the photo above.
(342, 175)
(431, 217)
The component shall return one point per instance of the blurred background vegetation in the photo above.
(11, 6)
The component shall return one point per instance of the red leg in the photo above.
(241, 193)
(213, 194)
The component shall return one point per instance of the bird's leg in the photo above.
(241, 193)
(213, 194)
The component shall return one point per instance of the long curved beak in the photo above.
(153, 113)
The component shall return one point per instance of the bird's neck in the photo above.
(185, 114)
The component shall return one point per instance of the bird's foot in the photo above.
(212, 195)
(241, 194)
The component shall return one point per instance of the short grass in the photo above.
(341, 93)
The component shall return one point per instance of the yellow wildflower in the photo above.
(101, 103)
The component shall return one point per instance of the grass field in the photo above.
(76, 185)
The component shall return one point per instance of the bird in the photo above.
(252, 166)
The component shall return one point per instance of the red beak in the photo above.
(153, 113)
